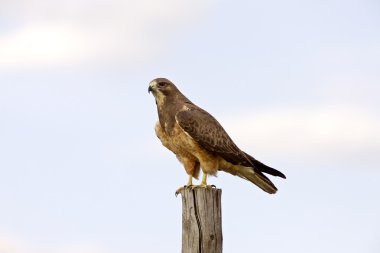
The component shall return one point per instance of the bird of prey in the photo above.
(200, 142)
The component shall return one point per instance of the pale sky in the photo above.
(295, 83)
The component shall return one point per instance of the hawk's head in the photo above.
(161, 85)
(161, 88)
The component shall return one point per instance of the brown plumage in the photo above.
(200, 142)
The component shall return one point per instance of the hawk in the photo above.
(200, 142)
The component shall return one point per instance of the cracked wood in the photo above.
(201, 220)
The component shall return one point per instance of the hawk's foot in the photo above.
(189, 184)
(201, 186)
(178, 191)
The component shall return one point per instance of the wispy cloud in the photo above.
(16, 245)
(308, 130)
(47, 32)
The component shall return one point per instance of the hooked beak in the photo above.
(152, 86)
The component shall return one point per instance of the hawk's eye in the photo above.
(161, 85)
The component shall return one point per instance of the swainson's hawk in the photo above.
(200, 142)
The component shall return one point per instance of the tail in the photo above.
(252, 170)
(257, 178)
(264, 168)
(252, 175)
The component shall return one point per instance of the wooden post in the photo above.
(201, 220)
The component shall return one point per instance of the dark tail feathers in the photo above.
(263, 168)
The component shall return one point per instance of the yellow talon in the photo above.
(192, 187)
(198, 186)
(203, 183)
(189, 184)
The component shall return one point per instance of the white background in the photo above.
(295, 83)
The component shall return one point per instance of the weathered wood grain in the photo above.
(201, 220)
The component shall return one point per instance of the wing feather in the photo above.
(208, 132)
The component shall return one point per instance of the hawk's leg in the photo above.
(203, 183)
(189, 184)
